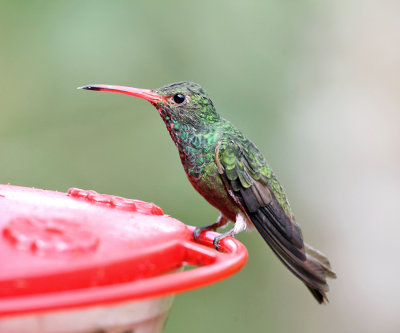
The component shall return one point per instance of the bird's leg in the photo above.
(222, 220)
(240, 225)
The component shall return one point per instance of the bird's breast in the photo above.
(210, 185)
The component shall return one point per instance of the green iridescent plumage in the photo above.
(229, 171)
(201, 130)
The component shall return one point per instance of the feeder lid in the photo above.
(82, 248)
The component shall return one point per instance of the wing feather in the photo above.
(250, 183)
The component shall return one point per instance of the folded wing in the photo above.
(251, 183)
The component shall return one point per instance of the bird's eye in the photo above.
(179, 98)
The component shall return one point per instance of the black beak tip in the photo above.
(88, 87)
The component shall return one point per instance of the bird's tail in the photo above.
(309, 265)
(321, 264)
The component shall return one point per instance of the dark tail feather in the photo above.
(322, 262)
(312, 267)
(319, 295)
(319, 258)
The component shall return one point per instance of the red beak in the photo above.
(142, 93)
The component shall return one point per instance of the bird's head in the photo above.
(182, 102)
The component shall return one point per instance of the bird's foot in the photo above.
(240, 225)
(199, 230)
(222, 220)
(218, 239)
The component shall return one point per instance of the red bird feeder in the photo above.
(88, 262)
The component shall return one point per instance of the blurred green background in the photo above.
(314, 84)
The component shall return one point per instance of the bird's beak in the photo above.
(142, 93)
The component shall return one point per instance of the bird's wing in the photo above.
(252, 184)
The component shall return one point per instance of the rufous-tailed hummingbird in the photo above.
(229, 171)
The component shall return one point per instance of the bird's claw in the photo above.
(219, 238)
(216, 242)
(198, 230)
(196, 233)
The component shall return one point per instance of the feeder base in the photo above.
(146, 316)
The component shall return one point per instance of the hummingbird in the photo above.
(231, 173)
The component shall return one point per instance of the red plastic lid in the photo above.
(81, 248)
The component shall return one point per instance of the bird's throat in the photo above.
(196, 146)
